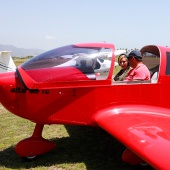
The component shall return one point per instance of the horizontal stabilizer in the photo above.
(118, 52)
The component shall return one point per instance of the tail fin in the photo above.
(6, 62)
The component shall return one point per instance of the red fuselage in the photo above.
(76, 105)
(66, 95)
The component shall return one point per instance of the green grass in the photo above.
(19, 61)
(78, 147)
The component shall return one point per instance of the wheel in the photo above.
(28, 158)
(31, 157)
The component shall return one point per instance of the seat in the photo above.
(154, 77)
(154, 74)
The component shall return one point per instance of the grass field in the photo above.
(19, 61)
(78, 147)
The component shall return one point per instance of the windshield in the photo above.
(70, 63)
(70, 55)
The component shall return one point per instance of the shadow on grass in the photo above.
(93, 147)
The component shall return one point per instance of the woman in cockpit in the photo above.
(125, 68)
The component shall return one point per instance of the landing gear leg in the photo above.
(34, 145)
(131, 158)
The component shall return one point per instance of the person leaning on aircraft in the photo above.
(139, 70)
(125, 68)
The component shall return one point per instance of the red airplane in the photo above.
(61, 86)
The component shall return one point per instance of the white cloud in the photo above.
(50, 37)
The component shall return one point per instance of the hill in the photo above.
(20, 52)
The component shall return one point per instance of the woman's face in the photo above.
(123, 63)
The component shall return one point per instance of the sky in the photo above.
(48, 24)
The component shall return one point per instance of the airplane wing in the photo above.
(6, 62)
(145, 130)
(118, 52)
